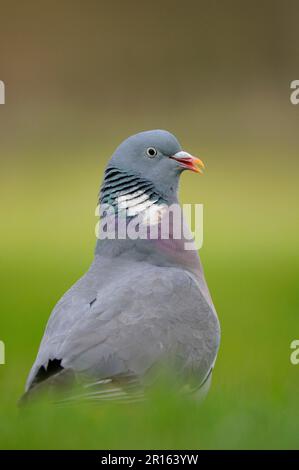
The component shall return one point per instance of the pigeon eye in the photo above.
(151, 152)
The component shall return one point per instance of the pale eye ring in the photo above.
(151, 152)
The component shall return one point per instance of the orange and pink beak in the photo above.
(188, 162)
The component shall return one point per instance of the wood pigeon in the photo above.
(144, 302)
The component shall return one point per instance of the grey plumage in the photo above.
(142, 302)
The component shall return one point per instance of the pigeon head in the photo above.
(151, 157)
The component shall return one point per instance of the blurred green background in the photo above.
(82, 76)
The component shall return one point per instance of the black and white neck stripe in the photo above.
(129, 192)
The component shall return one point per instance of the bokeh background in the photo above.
(81, 76)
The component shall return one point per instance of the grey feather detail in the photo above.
(145, 314)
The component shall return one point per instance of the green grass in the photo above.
(250, 257)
